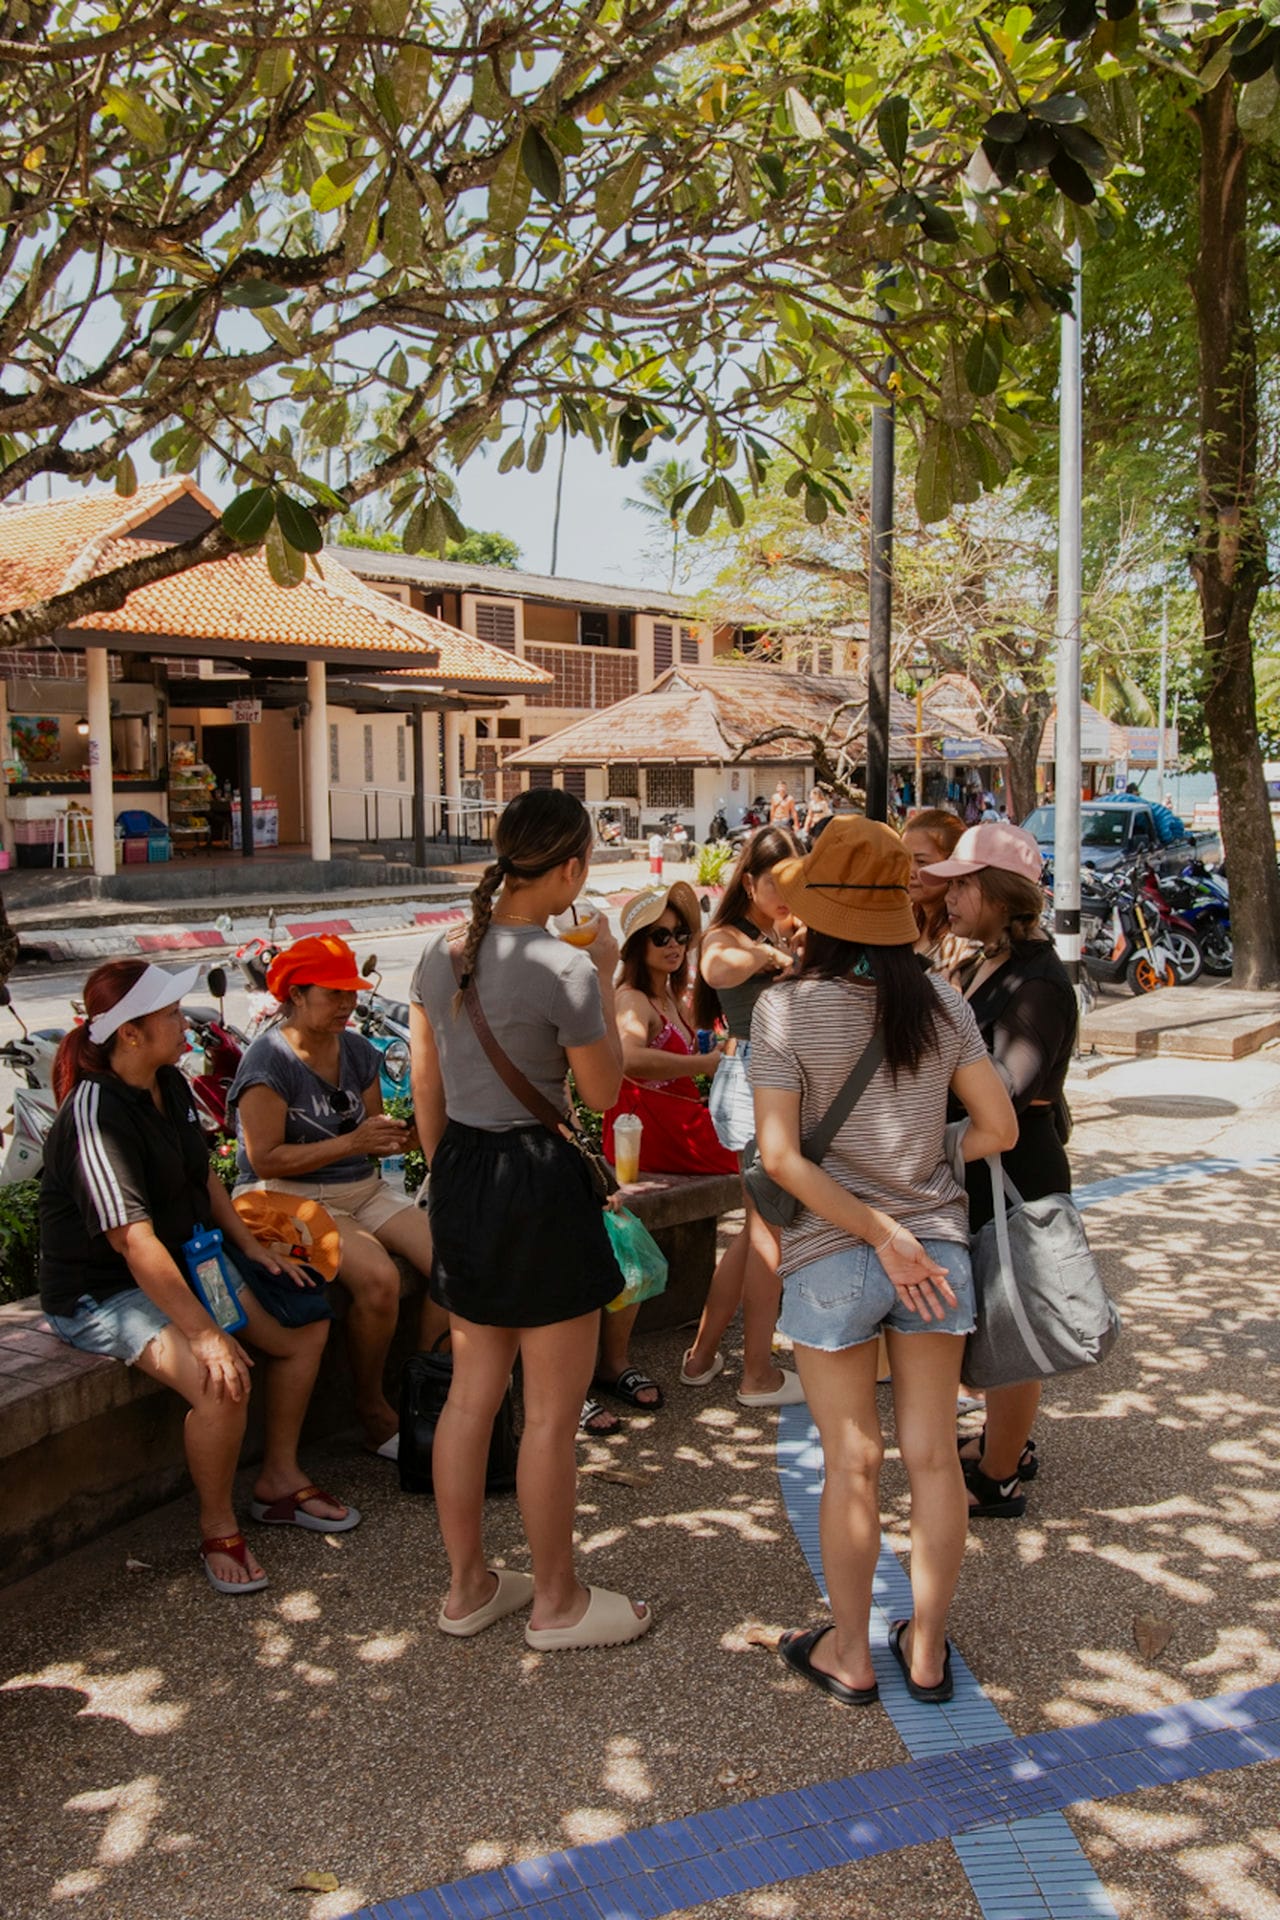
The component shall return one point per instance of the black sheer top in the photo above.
(1027, 1014)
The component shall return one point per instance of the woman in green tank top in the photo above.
(744, 950)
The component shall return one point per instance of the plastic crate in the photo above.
(135, 852)
(157, 845)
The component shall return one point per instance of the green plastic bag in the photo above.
(643, 1263)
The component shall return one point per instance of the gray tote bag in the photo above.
(1041, 1305)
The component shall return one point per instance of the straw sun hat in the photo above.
(853, 885)
(643, 909)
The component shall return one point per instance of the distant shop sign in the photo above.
(964, 750)
(1144, 745)
(246, 713)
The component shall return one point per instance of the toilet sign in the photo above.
(246, 713)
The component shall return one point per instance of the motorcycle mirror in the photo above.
(217, 983)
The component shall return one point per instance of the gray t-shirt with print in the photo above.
(317, 1109)
(539, 997)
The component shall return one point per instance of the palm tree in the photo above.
(661, 488)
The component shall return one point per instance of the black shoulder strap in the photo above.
(817, 1144)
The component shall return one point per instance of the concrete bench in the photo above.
(86, 1443)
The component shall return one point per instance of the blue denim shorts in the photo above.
(122, 1327)
(846, 1298)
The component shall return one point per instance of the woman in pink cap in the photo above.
(1026, 1010)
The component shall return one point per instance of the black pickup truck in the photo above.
(1115, 832)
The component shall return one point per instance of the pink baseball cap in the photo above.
(998, 844)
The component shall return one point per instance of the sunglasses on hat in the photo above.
(663, 936)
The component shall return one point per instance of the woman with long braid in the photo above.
(522, 1261)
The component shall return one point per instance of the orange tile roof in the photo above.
(233, 605)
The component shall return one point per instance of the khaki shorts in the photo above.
(367, 1204)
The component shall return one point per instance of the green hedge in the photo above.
(19, 1238)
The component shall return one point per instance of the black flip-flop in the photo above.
(796, 1648)
(592, 1410)
(630, 1383)
(928, 1696)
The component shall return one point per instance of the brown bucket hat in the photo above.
(853, 885)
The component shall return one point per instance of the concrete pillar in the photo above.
(453, 770)
(318, 762)
(101, 807)
(6, 749)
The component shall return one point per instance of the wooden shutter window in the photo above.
(688, 647)
(496, 624)
(663, 644)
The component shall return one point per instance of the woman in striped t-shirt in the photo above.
(881, 1238)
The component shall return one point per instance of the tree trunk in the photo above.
(1020, 727)
(1229, 563)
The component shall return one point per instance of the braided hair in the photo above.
(538, 831)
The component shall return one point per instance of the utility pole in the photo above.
(1066, 780)
(1164, 690)
(880, 591)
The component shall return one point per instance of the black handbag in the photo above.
(772, 1202)
(424, 1388)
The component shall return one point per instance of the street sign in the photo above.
(965, 750)
(246, 713)
(1144, 745)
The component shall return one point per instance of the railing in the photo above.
(388, 814)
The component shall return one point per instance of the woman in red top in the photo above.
(661, 1065)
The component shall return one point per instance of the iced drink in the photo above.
(578, 927)
(627, 1129)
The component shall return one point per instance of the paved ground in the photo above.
(173, 1755)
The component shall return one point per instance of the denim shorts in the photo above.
(846, 1298)
(122, 1327)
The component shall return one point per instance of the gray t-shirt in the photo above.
(317, 1109)
(539, 997)
(805, 1037)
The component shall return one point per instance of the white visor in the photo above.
(150, 991)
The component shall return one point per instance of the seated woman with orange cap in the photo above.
(307, 1100)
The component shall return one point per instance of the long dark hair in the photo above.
(907, 1005)
(77, 1054)
(633, 968)
(762, 852)
(536, 831)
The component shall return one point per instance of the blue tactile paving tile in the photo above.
(1206, 1169)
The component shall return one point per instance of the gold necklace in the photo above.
(517, 920)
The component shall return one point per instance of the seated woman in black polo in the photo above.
(126, 1183)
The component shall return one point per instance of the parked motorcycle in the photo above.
(215, 1049)
(672, 828)
(1201, 893)
(719, 828)
(609, 827)
(756, 815)
(1122, 940)
(1176, 930)
(34, 1106)
(385, 1025)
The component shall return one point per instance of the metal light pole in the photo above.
(1164, 690)
(919, 673)
(1066, 838)
(880, 593)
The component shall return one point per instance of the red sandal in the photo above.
(288, 1511)
(235, 1549)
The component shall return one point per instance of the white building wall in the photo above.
(372, 794)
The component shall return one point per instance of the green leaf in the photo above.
(454, 528)
(176, 325)
(816, 506)
(774, 172)
(249, 515)
(1084, 147)
(433, 201)
(254, 293)
(297, 525)
(616, 193)
(1070, 178)
(411, 76)
(804, 121)
(542, 165)
(389, 16)
(512, 456)
(398, 371)
(509, 193)
(274, 71)
(937, 224)
(702, 511)
(360, 230)
(126, 477)
(1060, 109)
(902, 210)
(1006, 128)
(487, 97)
(933, 477)
(402, 222)
(731, 501)
(335, 188)
(893, 124)
(415, 530)
(136, 116)
(435, 529)
(983, 360)
(537, 452)
(287, 567)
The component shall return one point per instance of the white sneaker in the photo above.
(789, 1394)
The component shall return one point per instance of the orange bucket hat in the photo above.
(853, 885)
(300, 1229)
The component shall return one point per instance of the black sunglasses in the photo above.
(663, 936)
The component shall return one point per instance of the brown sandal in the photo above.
(235, 1548)
(288, 1511)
